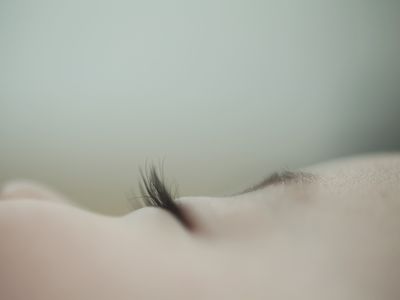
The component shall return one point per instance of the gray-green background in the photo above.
(223, 91)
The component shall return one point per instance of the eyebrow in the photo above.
(283, 177)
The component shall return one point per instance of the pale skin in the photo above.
(336, 236)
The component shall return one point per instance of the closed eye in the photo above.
(155, 193)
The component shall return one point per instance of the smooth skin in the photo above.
(335, 237)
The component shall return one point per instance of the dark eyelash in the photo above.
(155, 193)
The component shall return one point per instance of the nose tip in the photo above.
(21, 189)
(25, 189)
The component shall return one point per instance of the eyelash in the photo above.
(155, 193)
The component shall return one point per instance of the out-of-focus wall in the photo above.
(224, 91)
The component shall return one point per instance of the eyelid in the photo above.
(155, 193)
(152, 217)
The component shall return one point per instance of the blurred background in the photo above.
(222, 91)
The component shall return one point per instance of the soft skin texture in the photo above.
(336, 237)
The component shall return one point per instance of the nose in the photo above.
(24, 189)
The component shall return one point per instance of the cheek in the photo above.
(52, 251)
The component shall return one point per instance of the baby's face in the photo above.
(332, 232)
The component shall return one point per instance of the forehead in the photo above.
(338, 187)
(369, 170)
(367, 184)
